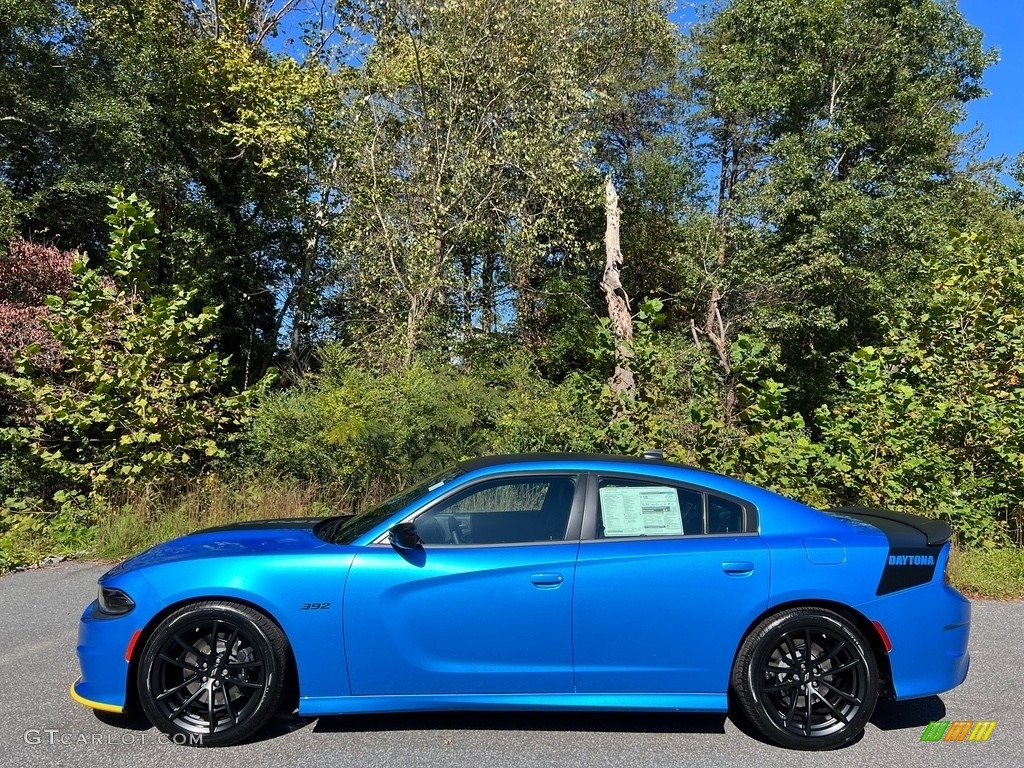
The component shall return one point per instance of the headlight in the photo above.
(114, 601)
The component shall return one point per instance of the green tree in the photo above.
(477, 155)
(138, 396)
(830, 125)
(186, 103)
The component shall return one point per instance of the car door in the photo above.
(667, 580)
(483, 606)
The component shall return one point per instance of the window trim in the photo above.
(572, 530)
(588, 533)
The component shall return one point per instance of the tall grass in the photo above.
(994, 573)
(154, 515)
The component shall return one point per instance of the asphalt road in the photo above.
(40, 725)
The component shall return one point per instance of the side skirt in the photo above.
(583, 702)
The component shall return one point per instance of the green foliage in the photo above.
(8, 215)
(138, 520)
(478, 132)
(138, 396)
(632, 423)
(27, 536)
(402, 211)
(123, 524)
(362, 432)
(830, 126)
(186, 104)
(930, 420)
(370, 434)
(777, 449)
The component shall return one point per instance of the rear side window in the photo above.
(724, 516)
(641, 508)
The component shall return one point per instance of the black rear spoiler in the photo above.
(902, 529)
(914, 545)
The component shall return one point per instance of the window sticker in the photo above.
(646, 511)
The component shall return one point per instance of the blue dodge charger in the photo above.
(540, 582)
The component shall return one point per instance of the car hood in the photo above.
(258, 538)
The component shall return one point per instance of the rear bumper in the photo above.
(929, 627)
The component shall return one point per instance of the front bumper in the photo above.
(103, 642)
(99, 705)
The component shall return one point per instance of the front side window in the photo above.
(344, 529)
(512, 510)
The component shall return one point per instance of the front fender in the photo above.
(302, 593)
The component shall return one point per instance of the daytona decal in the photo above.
(906, 567)
(912, 560)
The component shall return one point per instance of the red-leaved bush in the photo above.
(30, 272)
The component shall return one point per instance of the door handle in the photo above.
(738, 567)
(546, 580)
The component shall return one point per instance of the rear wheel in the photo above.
(212, 673)
(807, 679)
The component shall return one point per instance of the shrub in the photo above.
(929, 422)
(136, 395)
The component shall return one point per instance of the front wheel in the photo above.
(807, 679)
(212, 673)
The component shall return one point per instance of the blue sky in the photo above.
(999, 114)
(1002, 22)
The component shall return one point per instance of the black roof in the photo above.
(522, 458)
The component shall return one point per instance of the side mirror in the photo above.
(404, 536)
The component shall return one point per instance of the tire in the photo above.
(212, 673)
(806, 679)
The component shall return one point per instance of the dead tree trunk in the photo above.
(622, 380)
(717, 332)
(714, 328)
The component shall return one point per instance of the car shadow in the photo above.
(278, 726)
(128, 721)
(609, 722)
(916, 713)
(888, 716)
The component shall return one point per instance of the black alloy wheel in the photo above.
(212, 673)
(807, 679)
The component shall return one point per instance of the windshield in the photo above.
(344, 529)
